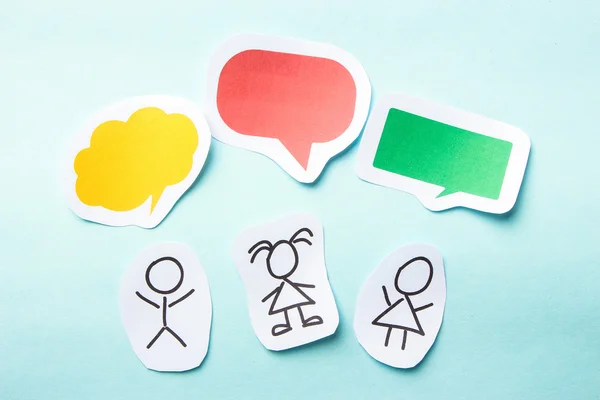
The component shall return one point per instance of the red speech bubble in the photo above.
(297, 99)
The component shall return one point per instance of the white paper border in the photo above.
(122, 111)
(320, 153)
(363, 326)
(327, 306)
(203, 318)
(426, 192)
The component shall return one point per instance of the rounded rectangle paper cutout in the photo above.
(298, 102)
(132, 161)
(166, 309)
(282, 265)
(401, 305)
(444, 156)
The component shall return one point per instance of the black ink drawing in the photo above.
(288, 295)
(165, 304)
(402, 314)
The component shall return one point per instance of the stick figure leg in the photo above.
(404, 340)
(156, 337)
(387, 337)
(280, 329)
(314, 320)
(176, 336)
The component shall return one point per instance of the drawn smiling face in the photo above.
(282, 260)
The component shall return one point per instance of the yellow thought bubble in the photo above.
(127, 162)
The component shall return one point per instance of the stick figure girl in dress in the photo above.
(282, 261)
(402, 314)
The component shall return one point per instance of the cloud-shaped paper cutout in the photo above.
(136, 159)
(128, 162)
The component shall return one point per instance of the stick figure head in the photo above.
(282, 257)
(414, 276)
(166, 270)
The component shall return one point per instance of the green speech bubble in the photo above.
(443, 155)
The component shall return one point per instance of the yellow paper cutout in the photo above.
(127, 162)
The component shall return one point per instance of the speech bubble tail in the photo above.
(445, 192)
(299, 150)
(155, 199)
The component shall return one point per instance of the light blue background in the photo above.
(522, 318)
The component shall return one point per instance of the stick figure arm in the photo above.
(182, 298)
(305, 285)
(423, 307)
(385, 296)
(153, 304)
(274, 292)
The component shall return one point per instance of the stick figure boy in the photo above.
(165, 262)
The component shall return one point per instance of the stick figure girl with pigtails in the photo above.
(282, 261)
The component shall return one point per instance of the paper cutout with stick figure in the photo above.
(402, 314)
(164, 292)
(398, 326)
(166, 308)
(289, 297)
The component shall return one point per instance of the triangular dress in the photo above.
(289, 296)
(400, 315)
